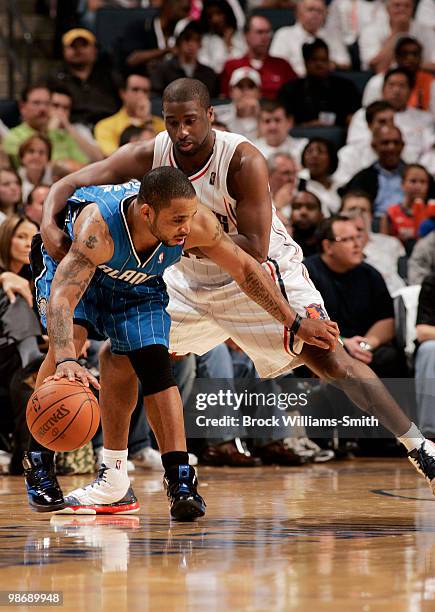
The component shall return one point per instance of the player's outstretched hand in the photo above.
(323, 334)
(74, 371)
(56, 242)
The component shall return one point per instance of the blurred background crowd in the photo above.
(340, 99)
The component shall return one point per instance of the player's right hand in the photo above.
(74, 371)
(323, 334)
(56, 242)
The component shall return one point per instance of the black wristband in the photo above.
(67, 359)
(296, 324)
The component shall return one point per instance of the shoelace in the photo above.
(101, 476)
(425, 461)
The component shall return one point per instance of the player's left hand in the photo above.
(74, 371)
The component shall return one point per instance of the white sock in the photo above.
(413, 438)
(117, 460)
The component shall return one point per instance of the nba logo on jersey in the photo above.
(212, 178)
(118, 464)
(161, 257)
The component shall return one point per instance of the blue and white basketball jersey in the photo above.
(127, 269)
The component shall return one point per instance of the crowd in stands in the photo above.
(340, 99)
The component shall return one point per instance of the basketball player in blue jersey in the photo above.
(111, 282)
(230, 177)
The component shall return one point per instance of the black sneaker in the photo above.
(43, 490)
(423, 459)
(185, 503)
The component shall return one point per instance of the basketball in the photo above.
(63, 415)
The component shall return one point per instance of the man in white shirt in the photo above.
(380, 251)
(241, 116)
(287, 42)
(274, 126)
(416, 125)
(378, 39)
(346, 18)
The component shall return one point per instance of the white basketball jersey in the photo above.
(210, 183)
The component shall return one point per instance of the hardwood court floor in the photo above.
(347, 536)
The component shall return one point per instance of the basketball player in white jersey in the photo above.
(230, 177)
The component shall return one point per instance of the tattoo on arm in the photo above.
(70, 282)
(91, 242)
(218, 231)
(260, 288)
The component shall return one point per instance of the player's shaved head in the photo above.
(162, 185)
(186, 90)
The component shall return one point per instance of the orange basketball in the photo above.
(63, 415)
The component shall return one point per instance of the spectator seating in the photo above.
(334, 133)
(110, 23)
(9, 112)
(277, 17)
(359, 79)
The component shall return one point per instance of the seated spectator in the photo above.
(384, 253)
(35, 112)
(283, 172)
(378, 39)
(403, 220)
(91, 81)
(320, 98)
(356, 297)
(274, 71)
(382, 181)
(355, 156)
(10, 193)
(222, 40)
(89, 8)
(143, 44)
(20, 356)
(408, 54)
(346, 19)
(415, 125)
(273, 127)
(134, 133)
(425, 357)
(35, 202)
(185, 63)
(425, 13)
(319, 160)
(136, 110)
(241, 116)
(305, 219)
(34, 155)
(288, 41)
(61, 103)
(422, 260)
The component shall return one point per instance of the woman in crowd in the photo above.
(320, 161)
(222, 40)
(403, 219)
(35, 167)
(10, 192)
(20, 356)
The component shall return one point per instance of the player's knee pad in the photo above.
(152, 365)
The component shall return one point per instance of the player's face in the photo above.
(188, 125)
(171, 225)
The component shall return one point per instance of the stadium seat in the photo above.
(359, 79)
(334, 133)
(9, 113)
(277, 17)
(111, 22)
